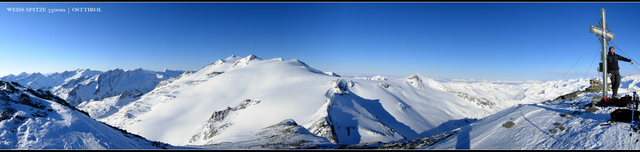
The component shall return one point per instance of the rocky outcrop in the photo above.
(418, 143)
(286, 134)
(595, 87)
(219, 121)
(479, 101)
(415, 81)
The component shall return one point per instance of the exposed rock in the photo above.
(592, 109)
(595, 87)
(340, 87)
(414, 80)
(562, 128)
(479, 101)
(509, 124)
(217, 123)
(286, 134)
(213, 74)
(385, 85)
(411, 144)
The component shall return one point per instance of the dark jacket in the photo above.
(612, 61)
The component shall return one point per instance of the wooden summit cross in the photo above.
(604, 35)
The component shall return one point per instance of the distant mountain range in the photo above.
(83, 87)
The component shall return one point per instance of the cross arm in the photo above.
(598, 31)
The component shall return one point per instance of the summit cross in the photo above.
(604, 35)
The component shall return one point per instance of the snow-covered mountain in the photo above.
(99, 93)
(36, 119)
(201, 107)
(346, 111)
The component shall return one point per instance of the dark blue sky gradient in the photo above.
(493, 41)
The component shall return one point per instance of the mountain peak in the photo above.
(289, 122)
(246, 60)
(379, 77)
(232, 57)
(251, 57)
(22, 74)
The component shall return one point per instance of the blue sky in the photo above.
(493, 41)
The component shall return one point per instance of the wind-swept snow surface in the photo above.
(36, 119)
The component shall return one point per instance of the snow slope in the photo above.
(179, 110)
(36, 119)
(562, 124)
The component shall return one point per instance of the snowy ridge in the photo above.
(40, 81)
(98, 93)
(74, 85)
(501, 96)
(332, 74)
(36, 119)
(377, 77)
(350, 121)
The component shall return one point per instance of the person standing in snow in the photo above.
(612, 69)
